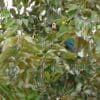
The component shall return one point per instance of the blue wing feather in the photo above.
(70, 45)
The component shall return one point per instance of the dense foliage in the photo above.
(34, 65)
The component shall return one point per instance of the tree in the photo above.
(35, 65)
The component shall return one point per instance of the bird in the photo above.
(69, 44)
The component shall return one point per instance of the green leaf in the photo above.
(25, 21)
(68, 55)
(63, 29)
(97, 40)
(10, 31)
(47, 76)
(78, 87)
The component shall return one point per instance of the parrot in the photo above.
(69, 44)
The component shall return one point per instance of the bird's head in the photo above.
(54, 26)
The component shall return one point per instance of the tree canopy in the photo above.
(34, 65)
